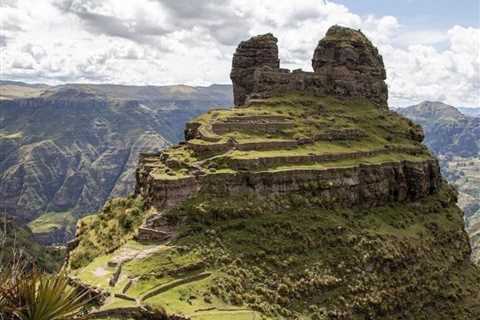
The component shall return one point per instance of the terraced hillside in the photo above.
(292, 138)
(294, 206)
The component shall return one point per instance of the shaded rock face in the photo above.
(256, 52)
(345, 64)
(365, 186)
(353, 64)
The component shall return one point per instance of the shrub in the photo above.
(107, 230)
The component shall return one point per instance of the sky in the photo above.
(431, 48)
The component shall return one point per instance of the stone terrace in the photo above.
(286, 143)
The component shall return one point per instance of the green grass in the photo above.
(349, 163)
(311, 116)
(97, 273)
(52, 221)
(112, 227)
(289, 257)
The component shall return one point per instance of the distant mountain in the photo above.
(65, 150)
(455, 137)
(447, 130)
(472, 112)
(18, 241)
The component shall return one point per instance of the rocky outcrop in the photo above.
(256, 52)
(352, 64)
(364, 185)
(345, 64)
(278, 145)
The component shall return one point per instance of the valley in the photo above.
(455, 138)
(65, 150)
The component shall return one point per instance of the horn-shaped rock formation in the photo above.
(345, 64)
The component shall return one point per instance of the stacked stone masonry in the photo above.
(345, 65)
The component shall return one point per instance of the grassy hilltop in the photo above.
(286, 255)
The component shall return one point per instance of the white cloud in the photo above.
(422, 72)
(191, 42)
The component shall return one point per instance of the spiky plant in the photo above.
(36, 296)
(26, 294)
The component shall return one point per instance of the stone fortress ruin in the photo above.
(345, 64)
(326, 133)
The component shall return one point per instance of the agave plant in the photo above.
(29, 295)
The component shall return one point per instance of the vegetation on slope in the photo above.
(17, 241)
(104, 232)
(455, 137)
(290, 258)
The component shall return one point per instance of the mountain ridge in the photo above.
(447, 130)
(70, 148)
(455, 140)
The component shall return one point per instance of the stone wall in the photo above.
(345, 64)
(271, 162)
(163, 193)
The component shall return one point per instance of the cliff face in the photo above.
(304, 202)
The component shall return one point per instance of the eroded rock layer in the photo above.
(363, 185)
